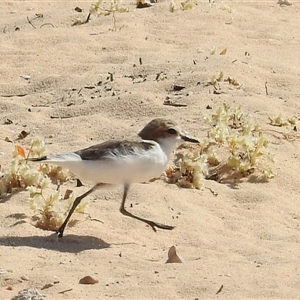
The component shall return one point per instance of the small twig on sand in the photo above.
(114, 21)
(88, 18)
(171, 103)
(12, 95)
(220, 289)
(266, 87)
(45, 24)
(61, 117)
(30, 23)
(111, 76)
(62, 292)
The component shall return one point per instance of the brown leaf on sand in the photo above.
(67, 194)
(20, 151)
(22, 135)
(173, 256)
(88, 280)
(223, 52)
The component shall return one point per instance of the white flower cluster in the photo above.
(190, 169)
(37, 179)
(235, 144)
(101, 7)
(20, 174)
(242, 137)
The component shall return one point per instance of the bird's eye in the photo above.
(172, 131)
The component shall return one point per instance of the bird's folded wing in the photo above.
(113, 148)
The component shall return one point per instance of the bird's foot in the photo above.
(60, 232)
(153, 225)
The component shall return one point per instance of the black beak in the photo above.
(188, 139)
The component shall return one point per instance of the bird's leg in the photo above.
(76, 202)
(152, 224)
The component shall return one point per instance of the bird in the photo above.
(123, 162)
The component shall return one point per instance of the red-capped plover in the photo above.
(123, 162)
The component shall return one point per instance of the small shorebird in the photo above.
(126, 161)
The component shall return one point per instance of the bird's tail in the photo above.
(42, 158)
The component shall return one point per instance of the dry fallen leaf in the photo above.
(78, 9)
(22, 135)
(20, 151)
(173, 256)
(67, 194)
(223, 52)
(88, 280)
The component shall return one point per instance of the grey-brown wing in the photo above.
(113, 148)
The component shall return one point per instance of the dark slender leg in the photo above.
(149, 222)
(76, 202)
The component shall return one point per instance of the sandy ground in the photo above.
(246, 239)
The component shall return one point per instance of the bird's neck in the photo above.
(167, 146)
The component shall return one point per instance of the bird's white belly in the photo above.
(119, 170)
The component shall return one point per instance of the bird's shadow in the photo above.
(69, 243)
